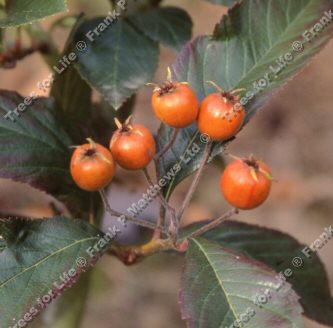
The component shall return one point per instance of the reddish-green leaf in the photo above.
(277, 250)
(220, 286)
(35, 149)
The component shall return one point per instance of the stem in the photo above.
(161, 220)
(169, 145)
(195, 181)
(132, 254)
(215, 223)
(91, 211)
(160, 224)
(151, 184)
(167, 208)
(118, 214)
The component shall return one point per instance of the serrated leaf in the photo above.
(35, 149)
(171, 26)
(119, 62)
(33, 265)
(277, 250)
(26, 11)
(262, 31)
(69, 309)
(220, 287)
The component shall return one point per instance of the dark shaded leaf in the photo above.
(35, 149)
(119, 62)
(171, 26)
(33, 264)
(71, 92)
(220, 286)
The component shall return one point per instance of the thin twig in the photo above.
(91, 211)
(161, 219)
(169, 145)
(159, 195)
(118, 214)
(195, 182)
(132, 254)
(213, 224)
(164, 203)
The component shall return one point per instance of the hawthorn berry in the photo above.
(221, 115)
(132, 146)
(175, 103)
(92, 166)
(246, 183)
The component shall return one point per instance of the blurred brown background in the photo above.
(293, 134)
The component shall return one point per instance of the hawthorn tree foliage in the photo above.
(235, 274)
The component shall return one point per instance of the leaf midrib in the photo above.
(284, 32)
(217, 278)
(45, 259)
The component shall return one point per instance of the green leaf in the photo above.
(171, 26)
(277, 250)
(26, 11)
(35, 148)
(220, 286)
(73, 95)
(35, 263)
(71, 92)
(247, 43)
(119, 62)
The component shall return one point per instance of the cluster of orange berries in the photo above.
(220, 115)
(245, 182)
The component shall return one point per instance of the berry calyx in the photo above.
(246, 183)
(132, 146)
(221, 115)
(92, 166)
(175, 103)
